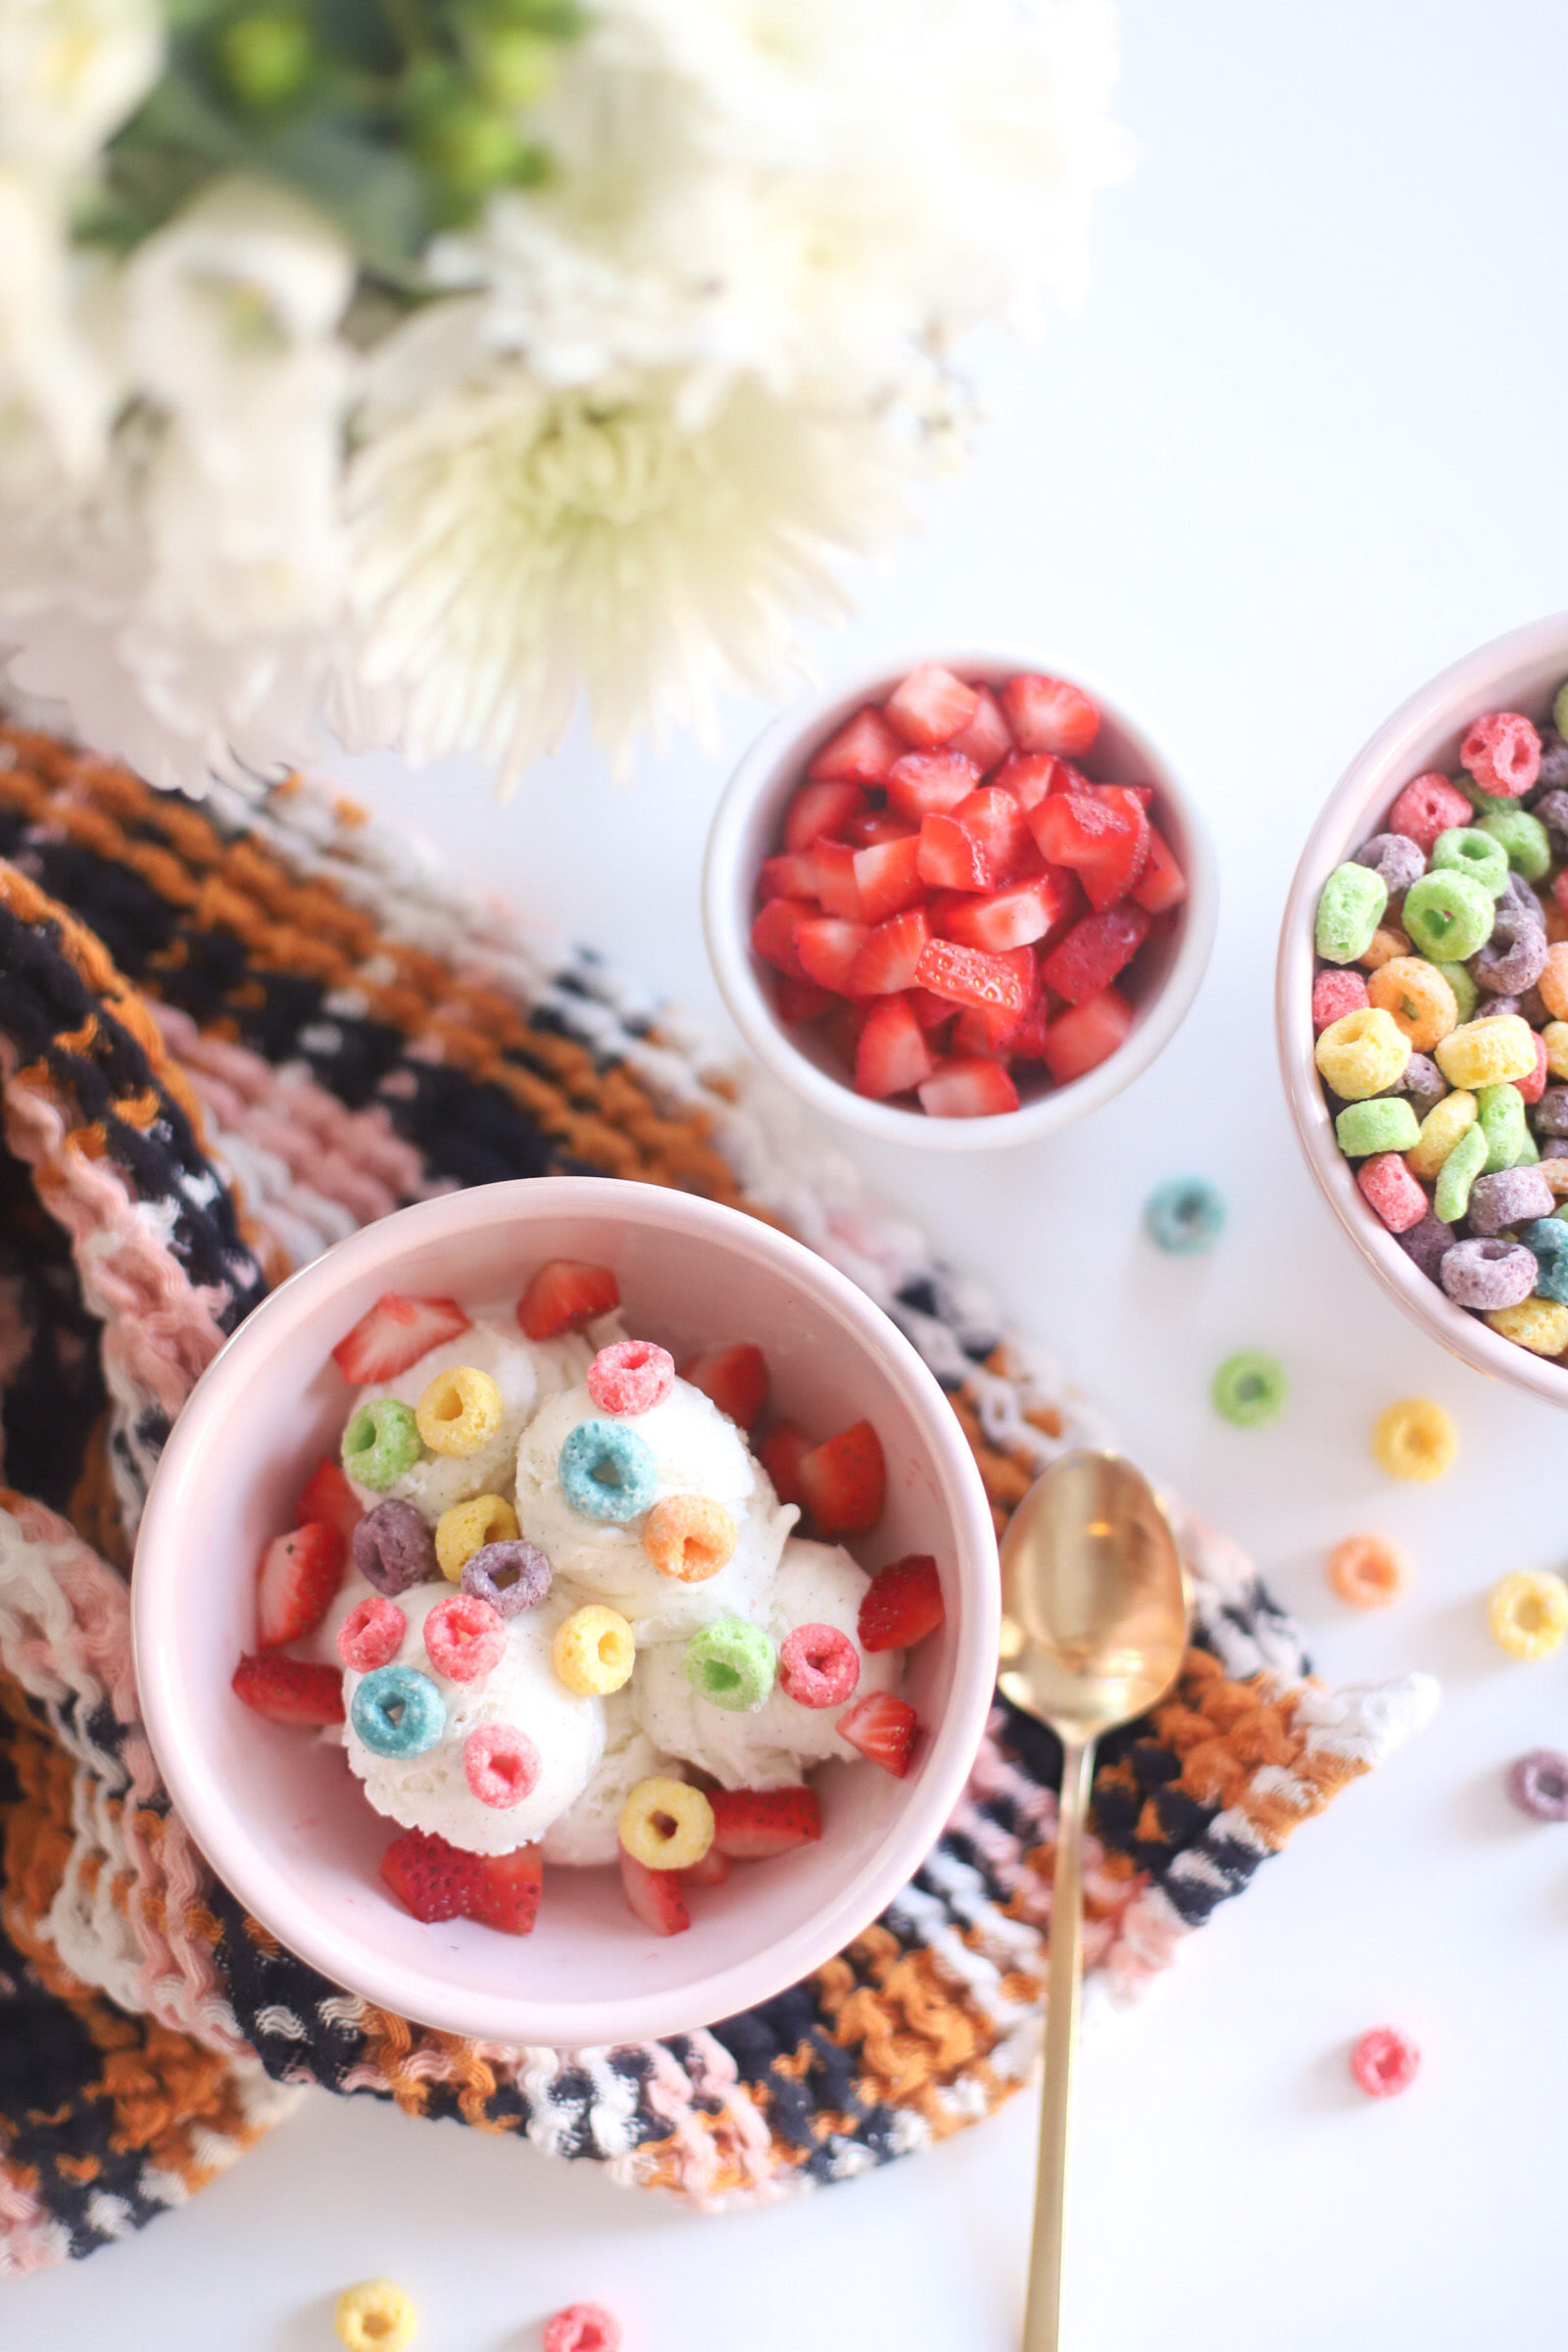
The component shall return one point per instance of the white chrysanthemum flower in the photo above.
(59, 383)
(70, 72)
(516, 545)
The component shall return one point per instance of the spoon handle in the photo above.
(1041, 2328)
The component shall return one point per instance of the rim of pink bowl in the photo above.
(217, 1821)
(1480, 681)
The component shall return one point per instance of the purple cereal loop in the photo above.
(1549, 1116)
(1553, 774)
(1394, 858)
(1422, 1083)
(393, 1548)
(1513, 957)
(1556, 1146)
(1538, 1783)
(1426, 1243)
(512, 1576)
(1510, 1197)
(1496, 1009)
(1519, 899)
(1489, 1274)
(1553, 811)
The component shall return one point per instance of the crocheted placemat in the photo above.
(229, 1034)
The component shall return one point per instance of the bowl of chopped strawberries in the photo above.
(958, 901)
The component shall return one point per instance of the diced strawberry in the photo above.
(887, 875)
(655, 1896)
(887, 960)
(1087, 1035)
(861, 752)
(326, 1495)
(878, 824)
(969, 976)
(773, 934)
(752, 1824)
(996, 823)
(1012, 917)
(1093, 951)
(1026, 1040)
(929, 1010)
(1163, 884)
(828, 947)
(882, 1728)
(288, 1691)
(1047, 715)
(833, 863)
(842, 1025)
(987, 738)
(821, 808)
(844, 1482)
(1029, 775)
(790, 877)
(296, 1583)
(990, 1034)
(394, 1334)
(930, 704)
(902, 1604)
(566, 1294)
(892, 1056)
(1103, 836)
(735, 1378)
(797, 1000)
(968, 1088)
(1142, 793)
(780, 1453)
(430, 1877)
(930, 784)
(949, 858)
(505, 1890)
(711, 1871)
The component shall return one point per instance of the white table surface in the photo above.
(1306, 445)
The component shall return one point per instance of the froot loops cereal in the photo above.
(1539, 1785)
(1416, 1439)
(582, 2328)
(1385, 2062)
(1528, 1614)
(1249, 1389)
(1184, 1215)
(375, 2317)
(1368, 1571)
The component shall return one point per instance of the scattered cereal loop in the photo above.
(376, 2315)
(1528, 1614)
(1538, 1783)
(1184, 1215)
(1416, 1439)
(1385, 2062)
(1249, 1389)
(665, 1825)
(1368, 1571)
(582, 2328)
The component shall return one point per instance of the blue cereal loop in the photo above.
(398, 1711)
(1184, 1215)
(607, 1471)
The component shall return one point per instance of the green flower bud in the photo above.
(266, 57)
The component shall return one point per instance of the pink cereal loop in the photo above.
(818, 1666)
(582, 2328)
(631, 1376)
(371, 1633)
(502, 1764)
(464, 1638)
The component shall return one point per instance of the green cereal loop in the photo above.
(1500, 1117)
(1448, 915)
(1387, 1123)
(380, 1443)
(1523, 839)
(1350, 909)
(1468, 850)
(1466, 995)
(732, 1664)
(1249, 1389)
(1458, 1173)
(1485, 803)
(1559, 709)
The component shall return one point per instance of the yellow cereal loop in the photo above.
(689, 1537)
(1416, 1439)
(1363, 1053)
(1554, 1037)
(667, 1826)
(594, 1651)
(459, 1411)
(1386, 943)
(1528, 1614)
(1441, 1130)
(375, 2317)
(1539, 1324)
(1487, 1052)
(1416, 998)
(468, 1527)
(1553, 981)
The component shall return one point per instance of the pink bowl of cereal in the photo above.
(1423, 1007)
(567, 1612)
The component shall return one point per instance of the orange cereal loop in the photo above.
(1417, 999)
(1553, 981)
(1369, 1571)
(689, 1537)
(1386, 943)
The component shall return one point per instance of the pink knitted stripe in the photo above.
(714, 2076)
(28, 2239)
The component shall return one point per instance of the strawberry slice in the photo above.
(655, 1896)
(1047, 715)
(1013, 917)
(968, 1087)
(889, 955)
(902, 1604)
(395, 1334)
(928, 1010)
(969, 976)
(882, 1728)
(1026, 1040)
(797, 1000)
(503, 1891)
(877, 825)
(752, 1824)
(780, 1453)
(297, 1582)
(833, 864)
(773, 934)
(990, 1034)
(1086, 1035)
(1102, 835)
(711, 1871)
(288, 1691)
(735, 1378)
(887, 875)
(821, 808)
(892, 1056)
(1093, 951)
(326, 1495)
(430, 1877)
(950, 859)
(930, 705)
(997, 824)
(788, 877)
(1163, 885)
(930, 784)
(566, 1294)
(828, 947)
(987, 738)
(842, 1025)
(1028, 776)
(861, 753)
(843, 1480)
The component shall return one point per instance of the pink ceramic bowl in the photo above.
(277, 1814)
(747, 828)
(1520, 671)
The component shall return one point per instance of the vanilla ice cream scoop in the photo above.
(588, 1833)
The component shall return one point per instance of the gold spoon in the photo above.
(1095, 1618)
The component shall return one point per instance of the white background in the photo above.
(1305, 446)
